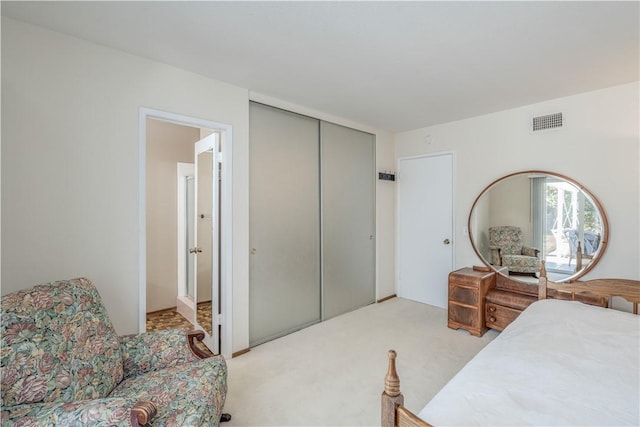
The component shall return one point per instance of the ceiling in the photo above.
(394, 66)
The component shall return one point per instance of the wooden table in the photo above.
(623, 288)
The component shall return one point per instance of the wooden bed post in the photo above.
(542, 283)
(579, 257)
(391, 397)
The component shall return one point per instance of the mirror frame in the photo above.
(596, 202)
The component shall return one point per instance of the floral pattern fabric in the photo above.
(95, 413)
(507, 238)
(57, 344)
(155, 350)
(522, 263)
(63, 364)
(507, 250)
(190, 394)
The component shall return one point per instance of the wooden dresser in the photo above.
(509, 298)
(480, 300)
(467, 291)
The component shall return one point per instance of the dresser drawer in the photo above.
(472, 278)
(463, 295)
(498, 317)
(463, 315)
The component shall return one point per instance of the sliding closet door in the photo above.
(348, 219)
(284, 212)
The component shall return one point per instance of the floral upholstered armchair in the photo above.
(507, 250)
(64, 365)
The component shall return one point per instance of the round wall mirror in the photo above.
(525, 217)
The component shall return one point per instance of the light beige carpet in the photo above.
(332, 373)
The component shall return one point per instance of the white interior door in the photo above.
(204, 253)
(425, 228)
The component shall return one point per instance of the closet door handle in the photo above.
(195, 250)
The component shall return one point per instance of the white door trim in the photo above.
(226, 285)
(453, 209)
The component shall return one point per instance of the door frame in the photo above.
(452, 154)
(226, 200)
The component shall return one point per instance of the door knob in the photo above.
(446, 241)
(253, 251)
(195, 250)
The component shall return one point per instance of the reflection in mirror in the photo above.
(205, 239)
(190, 232)
(530, 216)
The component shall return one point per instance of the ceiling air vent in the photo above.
(547, 122)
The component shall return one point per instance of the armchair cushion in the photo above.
(190, 394)
(526, 251)
(522, 263)
(151, 351)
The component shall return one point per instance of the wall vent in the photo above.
(546, 122)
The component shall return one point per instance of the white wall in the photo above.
(510, 204)
(70, 196)
(599, 147)
(167, 144)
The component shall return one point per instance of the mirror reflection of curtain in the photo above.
(539, 213)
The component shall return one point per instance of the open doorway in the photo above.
(185, 245)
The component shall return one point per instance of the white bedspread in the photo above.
(560, 363)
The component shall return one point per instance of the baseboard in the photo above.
(386, 298)
(240, 352)
(164, 310)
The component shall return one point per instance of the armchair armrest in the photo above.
(151, 351)
(496, 256)
(197, 346)
(116, 411)
(528, 251)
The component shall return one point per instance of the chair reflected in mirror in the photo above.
(508, 251)
(581, 249)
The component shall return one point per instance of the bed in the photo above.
(561, 362)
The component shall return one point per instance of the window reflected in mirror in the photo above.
(571, 225)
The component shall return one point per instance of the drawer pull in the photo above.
(492, 319)
(492, 309)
